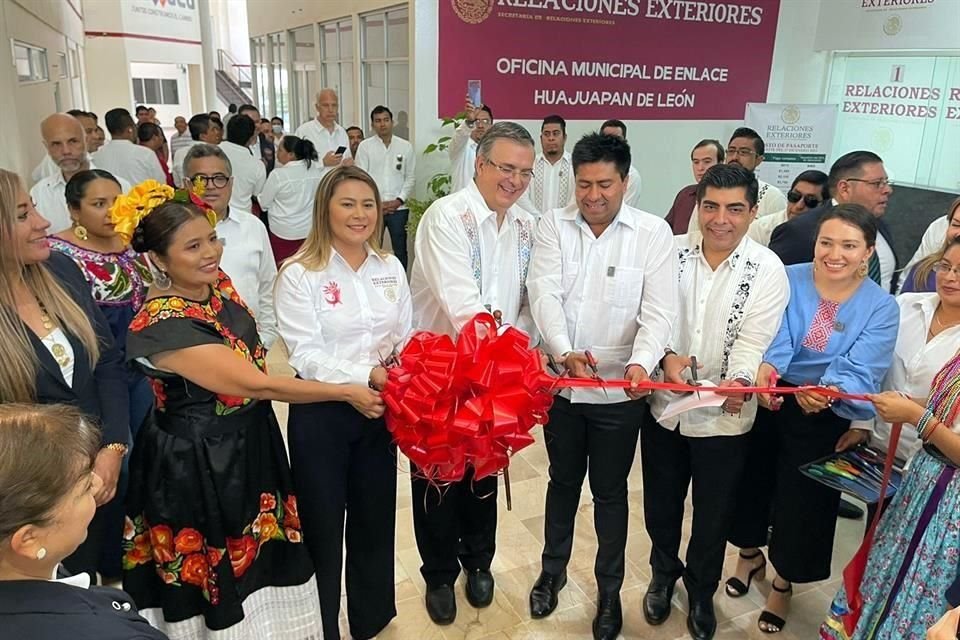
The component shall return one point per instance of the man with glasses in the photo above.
(604, 295)
(552, 185)
(746, 149)
(857, 177)
(247, 256)
(808, 191)
(463, 145)
(472, 252)
(389, 159)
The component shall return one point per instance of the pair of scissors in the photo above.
(694, 376)
(592, 363)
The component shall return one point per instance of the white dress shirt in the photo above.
(930, 243)
(915, 362)
(325, 140)
(177, 169)
(770, 200)
(339, 323)
(45, 169)
(129, 161)
(248, 260)
(728, 318)
(249, 175)
(634, 186)
(463, 158)
(465, 265)
(289, 195)
(888, 262)
(762, 228)
(392, 168)
(551, 187)
(49, 196)
(615, 295)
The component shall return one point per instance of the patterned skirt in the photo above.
(910, 565)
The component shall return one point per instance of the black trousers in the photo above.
(396, 225)
(345, 474)
(455, 525)
(773, 491)
(600, 439)
(670, 461)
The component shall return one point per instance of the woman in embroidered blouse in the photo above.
(343, 305)
(922, 276)
(118, 279)
(911, 572)
(56, 347)
(213, 536)
(838, 331)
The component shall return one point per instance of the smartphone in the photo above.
(340, 151)
(473, 92)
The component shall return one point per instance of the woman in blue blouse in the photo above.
(839, 331)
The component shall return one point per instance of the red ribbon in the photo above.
(473, 402)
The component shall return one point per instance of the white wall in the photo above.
(661, 148)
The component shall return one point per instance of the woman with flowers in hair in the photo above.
(213, 544)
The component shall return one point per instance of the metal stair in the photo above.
(233, 80)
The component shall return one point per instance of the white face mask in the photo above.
(277, 129)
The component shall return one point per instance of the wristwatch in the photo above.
(117, 447)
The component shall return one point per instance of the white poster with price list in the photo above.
(796, 137)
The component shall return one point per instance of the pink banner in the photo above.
(599, 59)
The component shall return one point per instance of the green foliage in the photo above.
(439, 184)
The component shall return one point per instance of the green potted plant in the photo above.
(439, 184)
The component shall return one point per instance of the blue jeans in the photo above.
(396, 224)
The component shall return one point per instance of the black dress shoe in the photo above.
(609, 620)
(480, 588)
(543, 596)
(656, 602)
(442, 604)
(849, 511)
(702, 621)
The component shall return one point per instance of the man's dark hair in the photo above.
(118, 120)
(232, 108)
(729, 176)
(554, 119)
(199, 125)
(140, 109)
(750, 134)
(818, 178)
(355, 128)
(489, 111)
(247, 107)
(850, 165)
(378, 110)
(855, 215)
(213, 111)
(596, 147)
(79, 113)
(615, 123)
(262, 120)
(706, 142)
(240, 129)
(277, 119)
(147, 131)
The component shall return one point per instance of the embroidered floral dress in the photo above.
(212, 541)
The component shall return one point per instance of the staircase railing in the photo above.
(239, 73)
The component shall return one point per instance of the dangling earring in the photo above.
(41, 553)
(80, 231)
(863, 270)
(162, 280)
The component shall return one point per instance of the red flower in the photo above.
(188, 541)
(140, 322)
(161, 537)
(242, 553)
(195, 570)
(266, 527)
(214, 556)
(267, 502)
(290, 517)
(195, 312)
(159, 392)
(332, 293)
(98, 271)
(138, 553)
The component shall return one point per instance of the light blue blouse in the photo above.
(859, 349)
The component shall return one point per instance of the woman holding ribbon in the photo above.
(343, 305)
(838, 332)
(911, 574)
(213, 536)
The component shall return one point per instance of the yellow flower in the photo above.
(212, 218)
(199, 186)
(128, 210)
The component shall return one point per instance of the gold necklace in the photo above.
(58, 350)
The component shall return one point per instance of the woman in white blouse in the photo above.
(289, 194)
(343, 305)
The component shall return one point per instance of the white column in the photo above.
(208, 55)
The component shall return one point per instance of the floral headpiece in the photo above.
(130, 208)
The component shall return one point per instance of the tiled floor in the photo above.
(517, 565)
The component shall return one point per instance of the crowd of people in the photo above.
(144, 280)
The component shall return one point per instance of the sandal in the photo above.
(735, 587)
(773, 622)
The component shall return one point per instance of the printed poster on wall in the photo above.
(796, 137)
(599, 59)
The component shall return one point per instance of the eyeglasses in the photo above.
(508, 172)
(811, 202)
(743, 152)
(217, 180)
(882, 183)
(943, 268)
(484, 121)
